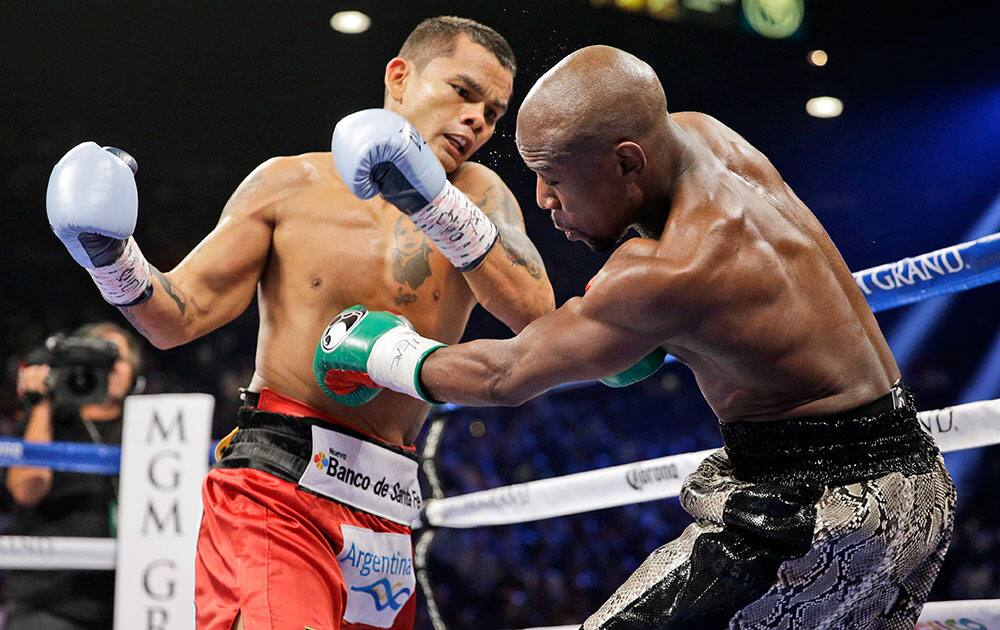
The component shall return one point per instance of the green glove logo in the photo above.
(337, 331)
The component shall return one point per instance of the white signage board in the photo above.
(165, 443)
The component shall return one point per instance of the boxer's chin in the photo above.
(599, 246)
(444, 155)
(595, 244)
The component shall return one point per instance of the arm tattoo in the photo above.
(520, 252)
(132, 319)
(169, 288)
(250, 186)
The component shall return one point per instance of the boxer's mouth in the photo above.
(460, 143)
(571, 233)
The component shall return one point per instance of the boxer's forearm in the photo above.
(163, 319)
(185, 306)
(28, 485)
(478, 373)
(512, 284)
(577, 342)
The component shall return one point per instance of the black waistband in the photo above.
(864, 443)
(281, 445)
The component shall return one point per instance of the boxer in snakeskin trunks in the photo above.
(828, 507)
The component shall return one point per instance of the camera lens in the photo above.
(81, 380)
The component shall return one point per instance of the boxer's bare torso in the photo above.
(761, 305)
(298, 238)
(331, 250)
(742, 284)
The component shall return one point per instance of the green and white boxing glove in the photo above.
(361, 352)
(643, 369)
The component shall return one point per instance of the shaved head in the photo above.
(595, 98)
(596, 132)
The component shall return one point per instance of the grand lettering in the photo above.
(159, 516)
(910, 271)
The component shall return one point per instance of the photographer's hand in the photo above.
(31, 381)
(28, 486)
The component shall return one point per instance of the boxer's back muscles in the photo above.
(743, 285)
(784, 329)
(297, 236)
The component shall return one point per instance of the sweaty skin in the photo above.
(296, 237)
(732, 273)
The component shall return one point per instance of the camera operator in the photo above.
(74, 390)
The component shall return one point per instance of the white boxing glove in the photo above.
(377, 151)
(92, 206)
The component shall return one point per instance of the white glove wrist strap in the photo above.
(396, 358)
(459, 229)
(126, 280)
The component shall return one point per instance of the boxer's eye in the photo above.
(461, 91)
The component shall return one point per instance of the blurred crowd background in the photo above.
(200, 93)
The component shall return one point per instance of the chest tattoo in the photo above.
(411, 264)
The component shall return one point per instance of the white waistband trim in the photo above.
(363, 475)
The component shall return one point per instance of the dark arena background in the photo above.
(202, 92)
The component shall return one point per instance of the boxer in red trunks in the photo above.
(306, 513)
(272, 536)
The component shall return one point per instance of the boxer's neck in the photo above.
(666, 166)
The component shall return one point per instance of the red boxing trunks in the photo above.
(306, 525)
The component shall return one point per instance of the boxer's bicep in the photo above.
(222, 271)
(583, 340)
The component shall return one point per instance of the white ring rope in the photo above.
(953, 428)
(57, 552)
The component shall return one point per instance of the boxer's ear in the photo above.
(397, 73)
(631, 158)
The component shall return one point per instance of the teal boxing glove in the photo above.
(361, 352)
(646, 367)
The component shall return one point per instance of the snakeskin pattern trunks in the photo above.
(833, 522)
